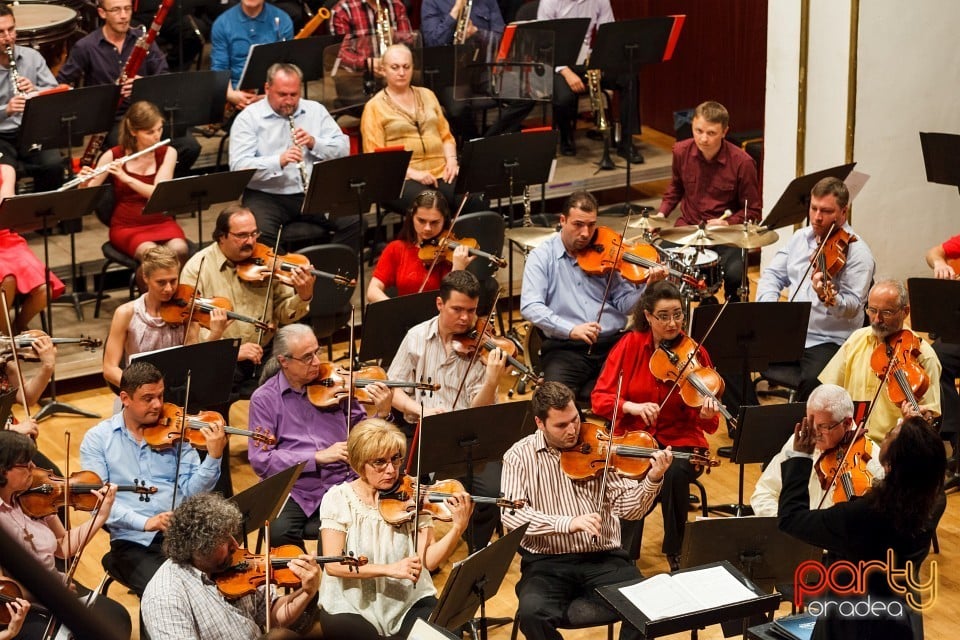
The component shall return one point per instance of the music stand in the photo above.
(187, 98)
(474, 580)
(501, 166)
(263, 501)
(41, 211)
(388, 321)
(210, 365)
(624, 46)
(423, 630)
(436, 67)
(940, 154)
(794, 203)
(72, 114)
(306, 53)
(194, 194)
(340, 187)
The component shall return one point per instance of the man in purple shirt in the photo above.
(710, 177)
(304, 433)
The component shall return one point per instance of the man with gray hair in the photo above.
(182, 600)
(304, 432)
(830, 414)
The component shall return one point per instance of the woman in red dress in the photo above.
(399, 266)
(131, 231)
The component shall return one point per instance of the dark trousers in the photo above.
(44, 166)
(135, 564)
(949, 355)
(812, 362)
(731, 259)
(292, 526)
(573, 363)
(565, 103)
(486, 517)
(674, 502)
(273, 211)
(355, 627)
(109, 612)
(549, 583)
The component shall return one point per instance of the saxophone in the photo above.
(300, 165)
(383, 30)
(600, 115)
(14, 74)
(460, 33)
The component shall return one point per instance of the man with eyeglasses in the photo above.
(305, 433)
(830, 415)
(790, 269)
(887, 308)
(235, 234)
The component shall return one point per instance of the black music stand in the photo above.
(262, 502)
(187, 98)
(194, 194)
(41, 211)
(794, 203)
(436, 67)
(210, 364)
(501, 166)
(624, 46)
(388, 321)
(472, 582)
(340, 187)
(73, 114)
(762, 603)
(935, 307)
(940, 154)
(306, 53)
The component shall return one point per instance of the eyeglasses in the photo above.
(886, 314)
(380, 464)
(828, 427)
(676, 316)
(116, 10)
(305, 359)
(253, 235)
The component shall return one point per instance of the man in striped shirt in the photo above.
(569, 548)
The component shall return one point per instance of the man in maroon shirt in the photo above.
(710, 177)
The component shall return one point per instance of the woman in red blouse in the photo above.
(657, 318)
(399, 266)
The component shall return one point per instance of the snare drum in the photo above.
(48, 28)
(706, 261)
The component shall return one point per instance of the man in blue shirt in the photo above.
(563, 302)
(117, 451)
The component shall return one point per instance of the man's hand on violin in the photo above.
(46, 351)
(588, 523)
(28, 427)
(218, 323)
(216, 439)
(709, 408)
(382, 397)
(462, 257)
(302, 281)
(250, 351)
(659, 463)
(159, 522)
(647, 411)
(804, 437)
(407, 569)
(306, 568)
(587, 332)
(337, 452)
(496, 363)
(657, 273)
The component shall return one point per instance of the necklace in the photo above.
(413, 118)
(20, 520)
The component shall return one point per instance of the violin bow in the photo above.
(813, 259)
(416, 491)
(606, 462)
(606, 289)
(476, 352)
(183, 428)
(66, 485)
(16, 359)
(267, 570)
(441, 243)
(270, 278)
(352, 355)
(193, 300)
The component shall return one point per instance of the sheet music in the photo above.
(668, 596)
(855, 183)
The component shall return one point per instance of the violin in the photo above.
(630, 455)
(397, 504)
(46, 493)
(176, 311)
(330, 387)
(24, 343)
(678, 363)
(466, 344)
(257, 268)
(898, 353)
(830, 258)
(446, 245)
(247, 572)
(607, 251)
(9, 592)
(849, 465)
(169, 428)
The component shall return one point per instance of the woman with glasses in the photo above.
(45, 539)
(399, 265)
(657, 320)
(388, 594)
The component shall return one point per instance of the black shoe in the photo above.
(726, 452)
(694, 499)
(631, 155)
(595, 134)
(674, 561)
(567, 147)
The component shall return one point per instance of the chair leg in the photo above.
(100, 288)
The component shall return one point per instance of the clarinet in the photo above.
(14, 74)
(300, 165)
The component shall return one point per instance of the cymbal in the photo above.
(645, 223)
(694, 236)
(529, 237)
(750, 236)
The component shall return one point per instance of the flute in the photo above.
(300, 165)
(70, 184)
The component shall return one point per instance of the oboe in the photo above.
(300, 165)
(14, 74)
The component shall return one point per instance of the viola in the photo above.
(899, 353)
(46, 493)
(24, 343)
(177, 310)
(330, 387)
(169, 429)
(9, 592)
(257, 268)
(847, 463)
(466, 344)
(445, 246)
(694, 381)
(830, 259)
(247, 571)
(630, 456)
(397, 504)
(607, 251)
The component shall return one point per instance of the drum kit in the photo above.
(52, 27)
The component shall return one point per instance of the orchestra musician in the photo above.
(117, 451)
(653, 405)
(44, 165)
(235, 233)
(939, 259)
(399, 265)
(893, 523)
(563, 302)
(304, 432)
(46, 539)
(182, 599)
(386, 596)
(790, 269)
(887, 308)
(830, 418)
(356, 21)
(570, 548)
